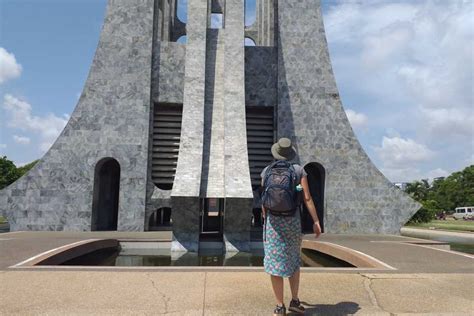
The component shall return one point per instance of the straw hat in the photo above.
(283, 150)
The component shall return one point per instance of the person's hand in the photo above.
(316, 229)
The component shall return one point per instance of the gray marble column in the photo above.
(187, 183)
(238, 190)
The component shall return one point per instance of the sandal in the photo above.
(295, 306)
(279, 310)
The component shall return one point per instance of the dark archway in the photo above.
(160, 218)
(316, 179)
(106, 195)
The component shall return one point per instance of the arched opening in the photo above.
(182, 39)
(106, 195)
(159, 219)
(316, 180)
(248, 41)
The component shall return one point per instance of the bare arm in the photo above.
(308, 201)
(263, 207)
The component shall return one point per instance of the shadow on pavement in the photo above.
(339, 309)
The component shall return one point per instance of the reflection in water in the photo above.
(163, 257)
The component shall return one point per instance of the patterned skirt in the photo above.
(282, 242)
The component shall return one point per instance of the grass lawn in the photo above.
(448, 224)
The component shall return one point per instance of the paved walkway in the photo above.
(229, 293)
(427, 281)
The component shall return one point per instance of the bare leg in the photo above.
(294, 284)
(277, 284)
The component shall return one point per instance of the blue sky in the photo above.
(404, 70)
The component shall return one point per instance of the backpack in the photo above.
(280, 196)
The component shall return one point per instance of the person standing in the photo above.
(282, 183)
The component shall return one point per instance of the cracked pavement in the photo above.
(229, 293)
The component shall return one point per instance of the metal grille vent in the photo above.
(260, 138)
(166, 137)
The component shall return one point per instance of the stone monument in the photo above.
(173, 134)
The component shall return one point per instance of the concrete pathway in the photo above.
(229, 293)
(427, 281)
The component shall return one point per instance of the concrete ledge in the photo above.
(457, 237)
(354, 257)
(64, 253)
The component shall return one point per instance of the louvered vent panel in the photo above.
(260, 132)
(166, 136)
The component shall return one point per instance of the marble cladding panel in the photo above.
(237, 222)
(358, 198)
(212, 178)
(171, 73)
(187, 182)
(238, 190)
(110, 120)
(260, 76)
(237, 173)
(186, 223)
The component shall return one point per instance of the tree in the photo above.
(8, 172)
(443, 194)
(27, 167)
(418, 190)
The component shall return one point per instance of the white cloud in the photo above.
(391, 132)
(357, 120)
(403, 160)
(411, 174)
(47, 127)
(9, 68)
(435, 173)
(470, 160)
(400, 152)
(411, 63)
(449, 122)
(415, 56)
(21, 140)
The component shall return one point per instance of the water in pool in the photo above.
(163, 257)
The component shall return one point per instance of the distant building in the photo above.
(401, 185)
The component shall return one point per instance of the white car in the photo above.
(466, 212)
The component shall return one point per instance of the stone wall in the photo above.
(358, 198)
(111, 119)
(170, 73)
(260, 76)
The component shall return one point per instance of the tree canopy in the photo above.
(9, 173)
(444, 194)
